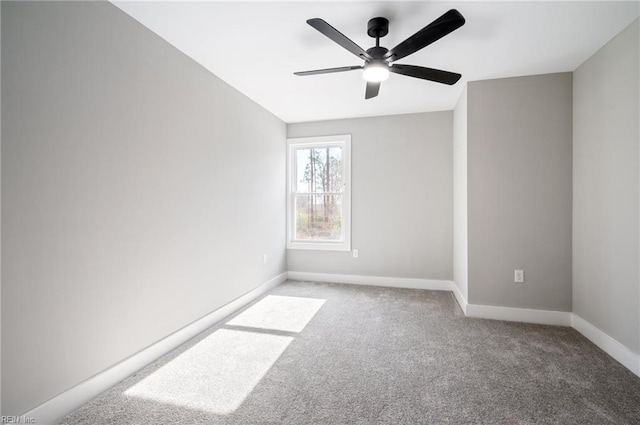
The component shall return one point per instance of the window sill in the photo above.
(319, 246)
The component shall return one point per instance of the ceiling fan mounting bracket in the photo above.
(378, 27)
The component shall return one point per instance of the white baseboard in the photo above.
(394, 282)
(65, 403)
(462, 301)
(544, 317)
(609, 345)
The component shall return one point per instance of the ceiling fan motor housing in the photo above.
(377, 52)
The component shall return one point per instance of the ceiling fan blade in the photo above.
(338, 37)
(328, 70)
(372, 90)
(437, 29)
(437, 75)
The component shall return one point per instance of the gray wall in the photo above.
(460, 228)
(519, 191)
(606, 280)
(401, 198)
(139, 193)
(0, 211)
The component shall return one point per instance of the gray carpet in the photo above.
(369, 355)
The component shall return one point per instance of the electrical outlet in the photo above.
(264, 258)
(355, 253)
(518, 276)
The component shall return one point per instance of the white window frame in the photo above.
(344, 244)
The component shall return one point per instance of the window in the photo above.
(319, 193)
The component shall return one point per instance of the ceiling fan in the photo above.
(379, 61)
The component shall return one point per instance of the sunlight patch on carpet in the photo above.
(215, 375)
(274, 312)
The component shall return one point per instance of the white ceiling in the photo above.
(256, 47)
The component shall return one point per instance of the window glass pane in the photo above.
(303, 157)
(319, 170)
(318, 217)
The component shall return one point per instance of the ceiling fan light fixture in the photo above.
(375, 72)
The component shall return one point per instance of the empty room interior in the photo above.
(320, 212)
